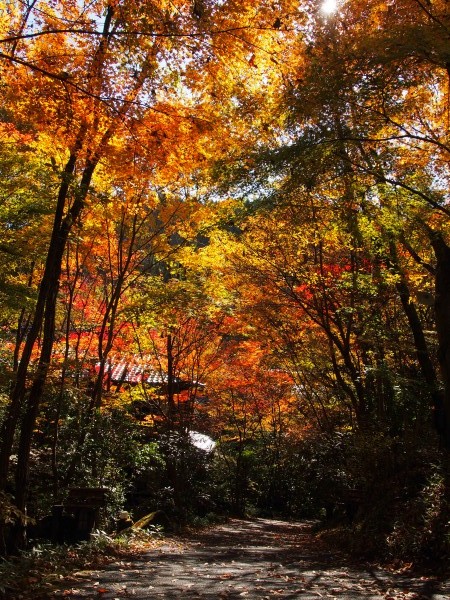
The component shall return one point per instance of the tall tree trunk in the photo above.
(171, 412)
(422, 353)
(442, 311)
(45, 309)
(31, 406)
(47, 283)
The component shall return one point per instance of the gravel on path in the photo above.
(248, 559)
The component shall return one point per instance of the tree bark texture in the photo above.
(442, 310)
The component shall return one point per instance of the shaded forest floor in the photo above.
(246, 559)
(241, 559)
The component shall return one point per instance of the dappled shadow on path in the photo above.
(249, 559)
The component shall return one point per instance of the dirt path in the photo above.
(248, 559)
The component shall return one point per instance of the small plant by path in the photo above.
(34, 574)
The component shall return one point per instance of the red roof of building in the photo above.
(134, 370)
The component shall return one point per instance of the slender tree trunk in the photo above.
(22, 326)
(173, 457)
(422, 353)
(170, 383)
(47, 283)
(442, 310)
(31, 408)
(60, 398)
(32, 405)
(48, 289)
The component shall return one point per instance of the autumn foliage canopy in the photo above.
(245, 203)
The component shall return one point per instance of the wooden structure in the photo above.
(78, 515)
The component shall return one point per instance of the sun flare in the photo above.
(329, 6)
